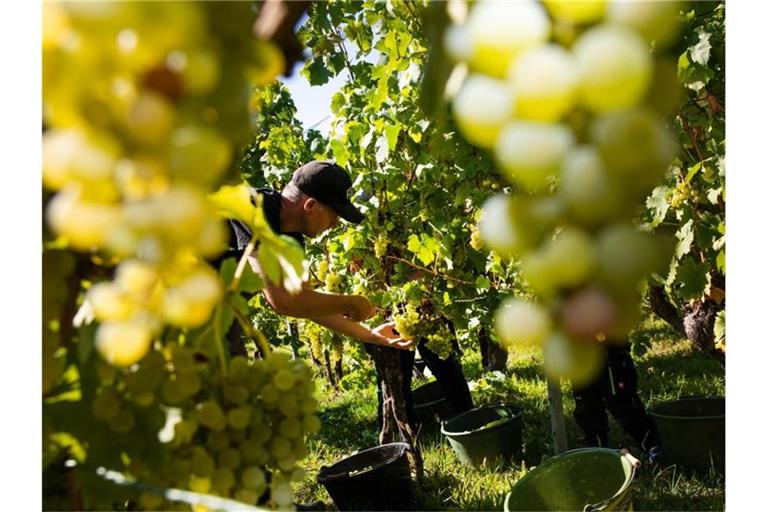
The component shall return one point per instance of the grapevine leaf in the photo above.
(392, 131)
(382, 149)
(482, 284)
(692, 277)
(685, 235)
(340, 152)
(234, 202)
(719, 328)
(700, 52)
(315, 72)
(658, 204)
(721, 261)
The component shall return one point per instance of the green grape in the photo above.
(188, 383)
(252, 451)
(199, 484)
(201, 464)
(239, 369)
(217, 440)
(625, 255)
(255, 378)
(210, 415)
(229, 458)
(85, 225)
(237, 435)
(260, 433)
(576, 11)
(571, 257)
(656, 21)
(150, 119)
(580, 362)
(123, 421)
(322, 270)
(185, 429)
(522, 322)
(106, 404)
(530, 153)
(223, 480)
(282, 494)
(545, 80)
(198, 154)
(109, 303)
(311, 424)
(183, 360)
(123, 343)
(615, 66)
(481, 108)
(440, 344)
(247, 496)
(269, 395)
(331, 281)
(499, 32)
(239, 417)
(380, 246)
(280, 447)
(287, 405)
(253, 478)
(286, 463)
(236, 394)
(171, 392)
(284, 380)
(309, 405)
(290, 428)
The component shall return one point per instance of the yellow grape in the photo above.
(626, 255)
(571, 257)
(656, 21)
(536, 269)
(86, 226)
(71, 155)
(199, 155)
(545, 80)
(579, 362)
(635, 147)
(199, 69)
(498, 229)
(576, 11)
(122, 343)
(109, 302)
(457, 43)
(615, 65)
(591, 195)
(136, 277)
(150, 119)
(140, 177)
(530, 153)
(481, 107)
(500, 31)
(519, 322)
(266, 63)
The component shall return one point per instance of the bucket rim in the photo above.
(590, 506)
(515, 409)
(324, 476)
(652, 410)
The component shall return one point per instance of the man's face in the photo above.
(318, 218)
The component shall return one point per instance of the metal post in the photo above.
(559, 439)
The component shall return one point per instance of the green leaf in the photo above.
(414, 244)
(719, 328)
(282, 261)
(340, 152)
(685, 235)
(721, 261)
(482, 283)
(700, 52)
(692, 172)
(658, 204)
(382, 149)
(315, 72)
(234, 202)
(392, 131)
(692, 277)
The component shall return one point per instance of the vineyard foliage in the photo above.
(158, 116)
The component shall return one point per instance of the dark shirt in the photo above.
(240, 234)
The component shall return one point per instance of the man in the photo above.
(615, 390)
(310, 204)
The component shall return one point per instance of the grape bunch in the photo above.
(237, 435)
(440, 342)
(407, 322)
(569, 97)
(143, 103)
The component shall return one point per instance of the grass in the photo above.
(668, 369)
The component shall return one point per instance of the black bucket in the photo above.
(378, 478)
(430, 403)
(692, 430)
(490, 434)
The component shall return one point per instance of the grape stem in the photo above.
(255, 335)
(241, 264)
(432, 272)
(218, 336)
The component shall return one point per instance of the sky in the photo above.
(313, 103)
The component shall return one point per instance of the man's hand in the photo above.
(387, 332)
(360, 308)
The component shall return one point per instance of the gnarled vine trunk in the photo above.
(396, 426)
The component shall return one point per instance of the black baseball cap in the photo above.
(331, 185)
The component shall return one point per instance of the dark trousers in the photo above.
(615, 390)
(448, 373)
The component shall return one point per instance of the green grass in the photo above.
(670, 368)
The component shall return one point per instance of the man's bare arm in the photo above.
(361, 332)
